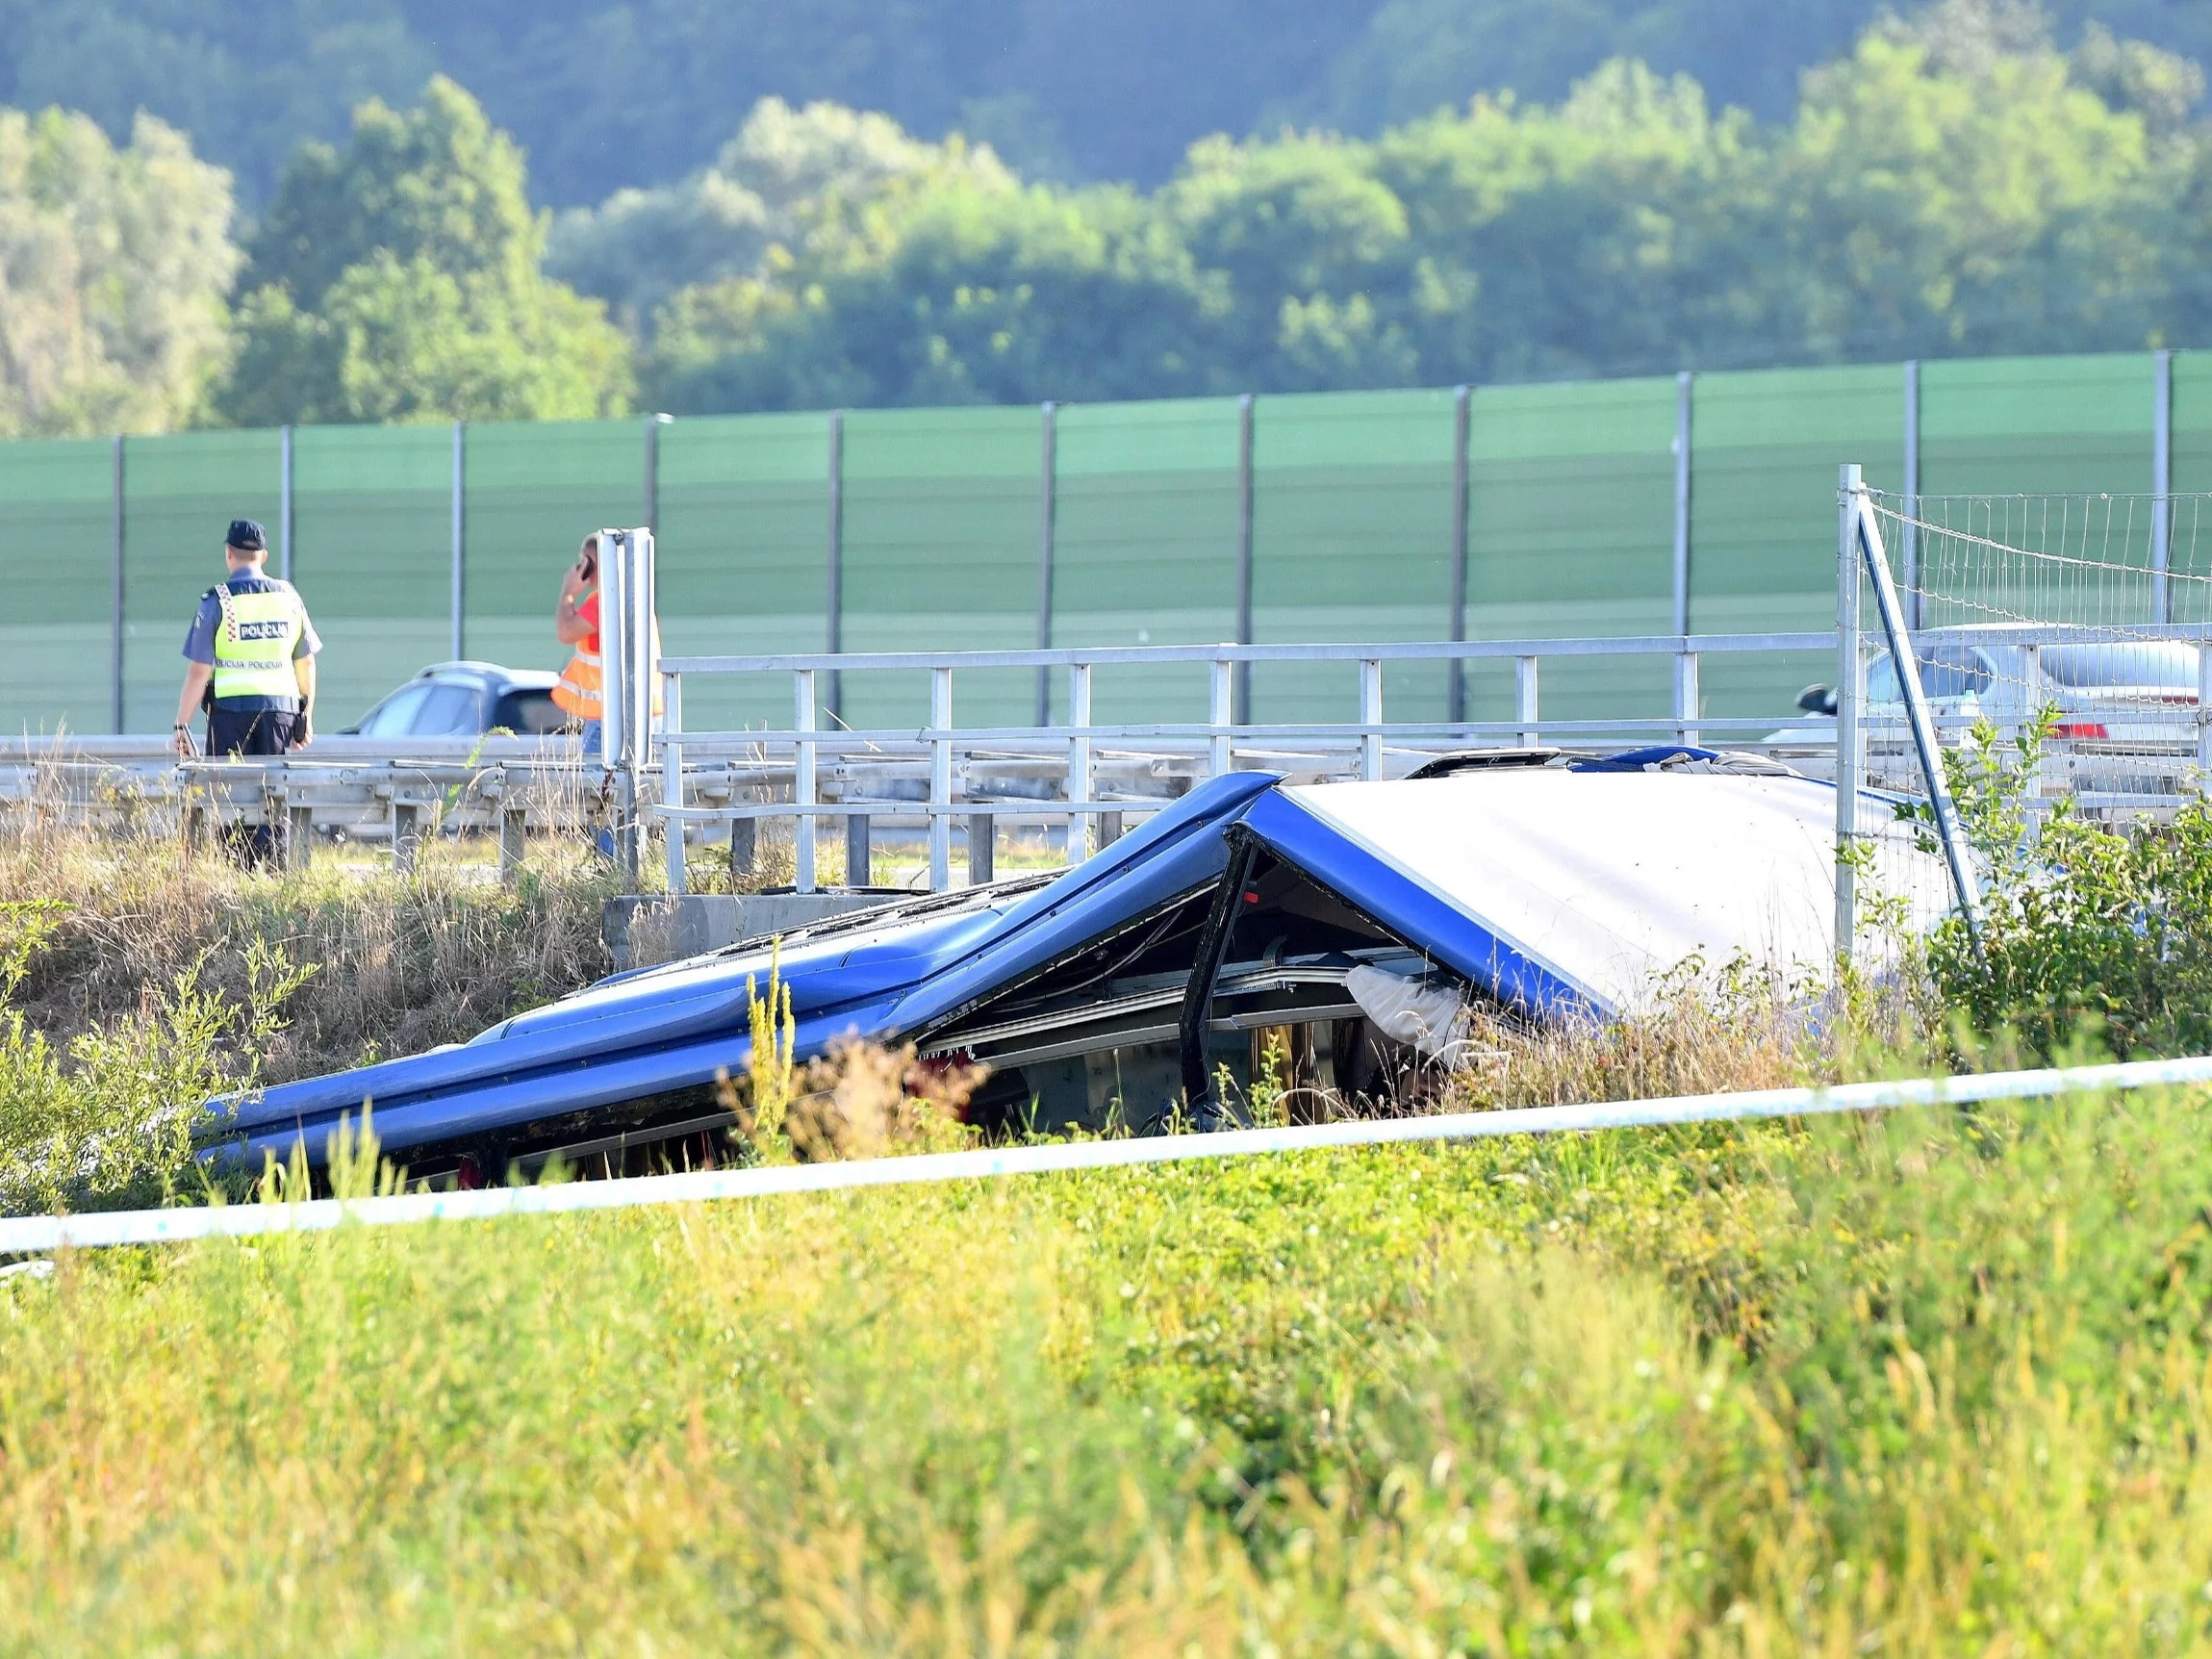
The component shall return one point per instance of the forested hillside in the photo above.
(1974, 178)
(605, 94)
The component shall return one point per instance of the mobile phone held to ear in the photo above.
(588, 564)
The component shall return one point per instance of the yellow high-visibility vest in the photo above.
(255, 642)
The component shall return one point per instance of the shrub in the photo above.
(2090, 934)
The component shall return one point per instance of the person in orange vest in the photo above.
(577, 622)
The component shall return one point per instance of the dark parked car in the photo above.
(465, 700)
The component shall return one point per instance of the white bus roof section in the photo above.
(1610, 881)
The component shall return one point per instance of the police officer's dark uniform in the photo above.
(249, 632)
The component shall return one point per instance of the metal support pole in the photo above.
(1079, 760)
(406, 836)
(1682, 385)
(1909, 539)
(283, 503)
(860, 850)
(672, 784)
(2162, 487)
(1244, 553)
(1964, 881)
(743, 849)
(1370, 719)
(1525, 709)
(1194, 1025)
(1850, 492)
(940, 780)
(2205, 712)
(1049, 493)
(460, 545)
(115, 596)
(652, 478)
(626, 667)
(513, 842)
(1457, 689)
(640, 668)
(1685, 698)
(1220, 716)
(614, 649)
(802, 784)
(982, 847)
(834, 603)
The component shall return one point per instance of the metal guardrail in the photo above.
(957, 759)
(1087, 774)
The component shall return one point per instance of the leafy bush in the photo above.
(107, 1120)
(2091, 934)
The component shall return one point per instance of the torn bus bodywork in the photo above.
(1351, 923)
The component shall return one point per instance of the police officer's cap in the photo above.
(247, 536)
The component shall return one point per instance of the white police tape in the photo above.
(28, 1235)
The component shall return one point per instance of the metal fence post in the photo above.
(115, 598)
(1457, 694)
(1079, 761)
(642, 670)
(834, 602)
(1686, 697)
(284, 503)
(859, 848)
(1525, 708)
(1370, 719)
(652, 478)
(1682, 385)
(616, 760)
(514, 841)
(802, 785)
(1849, 493)
(672, 784)
(940, 780)
(1220, 716)
(2162, 487)
(460, 545)
(982, 849)
(1049, 493)
(1926, 743)
(2204, 710)
(1244, 552)
(1908, 542)
(406, 835)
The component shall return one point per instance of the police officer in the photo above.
(252, 647)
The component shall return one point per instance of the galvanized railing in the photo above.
(960, 762)
(1086, 775)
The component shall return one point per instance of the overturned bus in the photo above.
(1355, 924)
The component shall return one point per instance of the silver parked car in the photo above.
(2116, 704)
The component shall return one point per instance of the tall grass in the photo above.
(391, 965)
(1932, 1383)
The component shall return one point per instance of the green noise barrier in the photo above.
(1702, 502)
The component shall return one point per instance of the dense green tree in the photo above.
(1416, 57)
(246, 79)
(613, 94)
(113, 264)
(400, 279)
(987, 296)
(1955, 184)
(824, 181)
